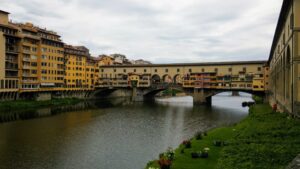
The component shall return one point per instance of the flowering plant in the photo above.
(164, 163)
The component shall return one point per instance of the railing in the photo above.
(26, 59)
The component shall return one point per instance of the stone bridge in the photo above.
(199, 80)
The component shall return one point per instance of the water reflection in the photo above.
(114, 134)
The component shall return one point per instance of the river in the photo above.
(110, 134)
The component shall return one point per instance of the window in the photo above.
(244, 69)
(44, 57)
(134, 70)
(115, 70)
(216, 69)
(44, 49)
(145, 70)
(178, 70)
(203, 70)
(229, 69)
(259, 69)
(190, 70)
(124, 70)
(34, 64)
(155, 70)
(167, 70)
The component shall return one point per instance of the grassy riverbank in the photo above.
(31, 104)
(263, 140)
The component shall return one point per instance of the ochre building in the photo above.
(284, 59)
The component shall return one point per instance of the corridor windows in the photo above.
(258, 68)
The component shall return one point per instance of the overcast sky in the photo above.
(161, 31)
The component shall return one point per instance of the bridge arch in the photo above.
(167, 79)
(177, 79)
(155, 78)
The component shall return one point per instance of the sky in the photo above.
(161, 31)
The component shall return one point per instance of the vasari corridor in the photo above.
(161, 84)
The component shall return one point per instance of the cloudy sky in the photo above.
(162, 31)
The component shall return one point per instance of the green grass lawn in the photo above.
(264, 140)
(32, 104)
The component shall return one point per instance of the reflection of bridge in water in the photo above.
(201, 81)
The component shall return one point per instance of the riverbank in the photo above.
(32, 104)
(262, 140)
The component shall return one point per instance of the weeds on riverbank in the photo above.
(263, 140)
(32, 104)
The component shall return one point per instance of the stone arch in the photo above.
(167, 78)
(177, 79)
(155, 78)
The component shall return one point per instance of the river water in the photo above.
(111, 134)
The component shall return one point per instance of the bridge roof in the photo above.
(192, 64)
(280, 24)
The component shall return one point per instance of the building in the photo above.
(141, 62)
(105, 60)
(76, 62)
(118, 59)
(9, 58)
(284, 59)
(34, 59)
(244, 76)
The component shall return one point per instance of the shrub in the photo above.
(218, 143)
(198, 136)
(164, 163)
(187, 143)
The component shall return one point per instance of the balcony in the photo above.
(26, 59)
(26, 67)
(11, 67)
(12, 49)
(26, 51)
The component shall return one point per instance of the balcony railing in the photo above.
(26, 59)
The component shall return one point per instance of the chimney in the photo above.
(4, 17)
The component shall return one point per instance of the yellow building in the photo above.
(52, 60)
(76, 57)
(9, 56)
(30, 76)
(284, 59)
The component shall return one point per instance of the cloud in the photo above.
(162, 31)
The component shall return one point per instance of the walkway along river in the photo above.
(116, 134)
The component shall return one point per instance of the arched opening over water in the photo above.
(155, 79)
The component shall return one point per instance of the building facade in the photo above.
(284, 59)
(248, 76)
(33, 59)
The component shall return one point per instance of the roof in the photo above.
(191, 64)
(4, 12)
(280, 24)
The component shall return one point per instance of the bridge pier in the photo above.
(200, 97)
(235, 93)
(136, 97)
